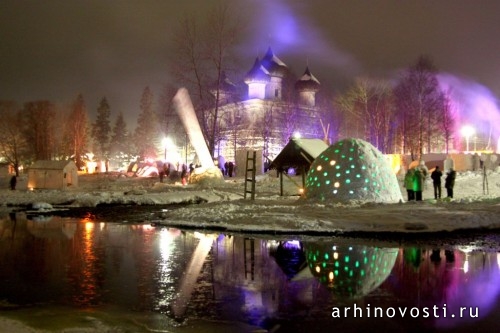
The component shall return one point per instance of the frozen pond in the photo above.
(80, 275)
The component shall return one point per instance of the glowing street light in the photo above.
(166, 142)
(467, 131)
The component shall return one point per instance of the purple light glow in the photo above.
(292, 34)
(475, 105)
(477, 288)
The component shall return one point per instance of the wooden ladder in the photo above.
(250, 168)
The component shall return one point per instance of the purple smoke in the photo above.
(474, 105)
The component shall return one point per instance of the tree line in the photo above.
(43, 130)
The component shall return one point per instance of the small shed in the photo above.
(298, 154)
(58, 175)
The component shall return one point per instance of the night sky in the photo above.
(57, 49)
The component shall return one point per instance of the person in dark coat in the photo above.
(449, 182)
(13, 182)
(230, 169)
(184, 174)
(436, 182)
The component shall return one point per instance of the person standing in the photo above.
(13, 182)
(408, 184)
(230, 168)
(418, 183)
(184, 174)
(449, 182)
(436, 182)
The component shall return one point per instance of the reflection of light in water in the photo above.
(477, 288)
(498, 260)
(87, 284)
(192, 272)
(466, 264)
(349, 270)
(147, 227)
(293, 244)
(466, 249)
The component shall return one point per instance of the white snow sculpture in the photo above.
(208, 172)
(352, 169)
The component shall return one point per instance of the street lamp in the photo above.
(467, 131)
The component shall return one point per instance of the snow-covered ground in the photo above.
(223, 206)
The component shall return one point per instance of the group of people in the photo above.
(228, 169)
(165, 172)
(414, 182)
(449, 182)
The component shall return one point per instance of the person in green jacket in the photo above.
(408, 184)
(418, 183)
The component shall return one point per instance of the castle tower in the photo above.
(307, 87)
(257, 78)
(277, 70)
(227, 90)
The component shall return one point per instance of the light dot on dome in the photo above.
(332, 162)
(336, 184)
(347, 181)
(319, 167)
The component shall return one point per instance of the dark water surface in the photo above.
(61, 273)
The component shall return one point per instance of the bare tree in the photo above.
(447, 120)
(368, 111)
(77, 130)
(39, 128)
(13, 145)
(419, 100)
(203, 56)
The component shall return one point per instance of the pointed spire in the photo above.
(257, 73)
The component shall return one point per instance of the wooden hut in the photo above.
(58, 175)
(298, 154)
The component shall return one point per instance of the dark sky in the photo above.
(57, 49)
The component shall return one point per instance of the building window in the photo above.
(276, 93)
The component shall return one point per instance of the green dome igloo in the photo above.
(352, 169)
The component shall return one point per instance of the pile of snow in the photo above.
(352, 169)
(206, 177)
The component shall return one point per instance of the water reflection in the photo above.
(350, 270)
(287, 285)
